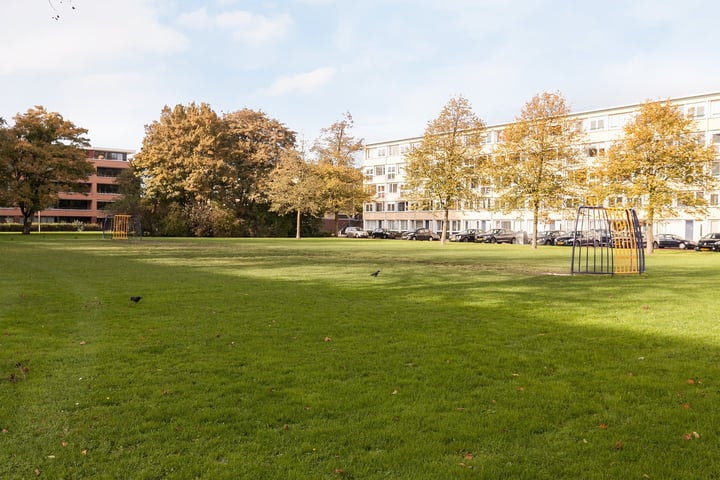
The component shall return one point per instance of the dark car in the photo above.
(576, 238)
(465, 236)
(498, 235)
(548, 237)
(668, 240)
(422, 234)
(707, 242)
(383, 233)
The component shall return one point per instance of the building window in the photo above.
(714, 199)
(380, 191)
(390, 207)
(379, 170)
(108, 188)
(391, 169)
(597, 123)
(715, 108)
(696, 110)
(368, 207)
(402, 206)
(379, 207)
(393, 150)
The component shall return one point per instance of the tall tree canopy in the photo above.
(295, 186)
(444, 169)
(533, 166)
(192, 156)
(181, 159)
(41, 155)
(335, 150)
(661, 160)
(255, 144)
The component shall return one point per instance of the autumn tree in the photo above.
(661, 160)
(335, 150)
(255, 144)
(295, 186)
(181, 159)
(193, 162)
(534, 165)
(41, 155)
(443, 169)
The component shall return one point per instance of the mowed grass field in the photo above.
(285, 359)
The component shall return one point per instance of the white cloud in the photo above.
(197, 19)
(301, 82)
(247, 26)
(83, 37)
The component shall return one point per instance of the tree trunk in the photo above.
(536, 217)
(446, 217)
(650, 233)
(297, 225)
(27, 222)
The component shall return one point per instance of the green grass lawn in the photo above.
(285, 359)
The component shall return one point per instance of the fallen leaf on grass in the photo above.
(394, 392)
(603, 426)
(469, 456)
(691, 436)
(36, 472)
(686, 406)
(520, 389)
(4, 430)
(83, 451)
(64, 444)
(328, 339)
(340, 471)
(82, 342)
(619, 445)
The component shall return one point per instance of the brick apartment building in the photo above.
(90, 207)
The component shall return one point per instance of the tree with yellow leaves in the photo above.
(534, 166)
(443, 169)
(661, 160)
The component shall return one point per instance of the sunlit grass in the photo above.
(285, 359)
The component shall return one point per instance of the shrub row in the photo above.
(52, 227)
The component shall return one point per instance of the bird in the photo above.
(375, 273)
(135, 299)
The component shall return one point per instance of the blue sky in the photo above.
(111, 65)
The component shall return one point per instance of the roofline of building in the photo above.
(582, 113)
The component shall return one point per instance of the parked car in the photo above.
(668, 240)
(354, 232)
(707, 242)
(465, 235)
(548, 237)
(627, 239)
(576, 238)
(498, 235)
(383, 233)
(422, 234)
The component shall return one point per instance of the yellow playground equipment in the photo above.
(607, 241)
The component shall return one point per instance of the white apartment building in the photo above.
(383, 167)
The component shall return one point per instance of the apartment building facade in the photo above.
(383, 166)
(90, 207)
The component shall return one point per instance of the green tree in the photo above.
(444, 169)
(661, 160)
(335, 150)
(255, 144)
(537, 164)
(295, 186)
(41, 155)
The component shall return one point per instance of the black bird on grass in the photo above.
(135, 299)
(375, 273)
